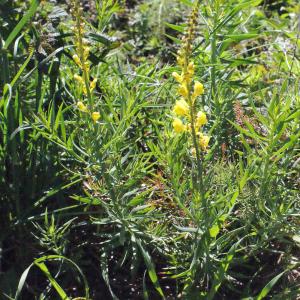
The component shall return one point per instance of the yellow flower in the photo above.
(181, 108)
(183, 91)
(178, 125)
(95, 116)
(77, 60)
(203, 141)
(198, 89)
(78, 78)
(201, 119)
(93, 84)
(81, 106)
(177, 77)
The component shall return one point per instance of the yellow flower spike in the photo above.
(95, 116)
(183, 91)
(178, 126)
(93, 84)
(77, 60)
(78, 78)
(198, 89)
(204, 141)
(177, 77)
(81, 106)
(181, 108)
(201, 119)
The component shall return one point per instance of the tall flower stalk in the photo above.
(80, 57)
(187, 118)
(191, 120)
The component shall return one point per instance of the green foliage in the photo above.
(117, 200)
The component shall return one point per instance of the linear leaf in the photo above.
(33, 7)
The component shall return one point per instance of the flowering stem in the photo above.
(81, 52)
(196, 145)
(84, 70)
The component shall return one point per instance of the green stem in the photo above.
(198, 153)
(213, 62)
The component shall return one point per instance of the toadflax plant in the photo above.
(187, 119)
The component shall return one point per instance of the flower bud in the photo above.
(191, 68)
(77, 60)
(180, 61)
(81, 106)
(86, 52)
(93, 84)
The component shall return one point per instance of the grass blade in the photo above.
(33, 7)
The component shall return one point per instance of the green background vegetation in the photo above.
(111, 209)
